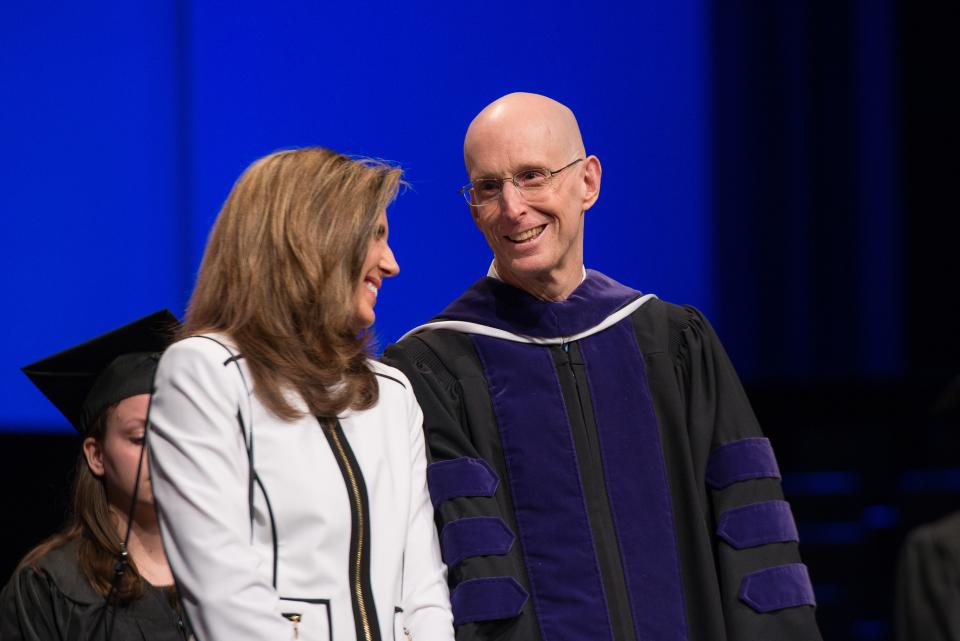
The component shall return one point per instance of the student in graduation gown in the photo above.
(597, 469)
(69, 586)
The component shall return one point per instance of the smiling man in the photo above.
(535, 230)
(596, 467)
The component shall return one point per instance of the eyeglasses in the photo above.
(529, 182)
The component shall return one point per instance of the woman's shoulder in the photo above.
(206, 368)
(201, 356)
(395, 390)
(60, 566)
(388, 373)
(210, 346)
(391, 380)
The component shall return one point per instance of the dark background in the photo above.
(790, 167)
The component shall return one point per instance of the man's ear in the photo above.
(93, 452)
(591, 181)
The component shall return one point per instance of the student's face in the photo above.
(116, 457)
(379, 264)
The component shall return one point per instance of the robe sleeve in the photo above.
(457, 421)
(200, 477)
(445, 424)
(30, 608)
(765, 589)
(426, 598)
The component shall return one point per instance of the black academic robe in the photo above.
(928, 583)
(55, 602)
(598, 473)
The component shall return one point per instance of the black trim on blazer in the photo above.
(397, 381)
(254, 478)
(348, 464)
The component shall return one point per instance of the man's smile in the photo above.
(526, 236)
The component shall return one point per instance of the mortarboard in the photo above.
(85, 380)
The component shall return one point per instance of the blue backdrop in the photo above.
(125, 125)
(731, 179)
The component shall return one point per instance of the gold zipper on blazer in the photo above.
(294, 618)
(356, 497)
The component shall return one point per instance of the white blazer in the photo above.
(265, 522)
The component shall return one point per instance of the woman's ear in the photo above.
(93, 452)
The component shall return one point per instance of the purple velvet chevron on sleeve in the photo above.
(460, 477)
(743, 460)
(474, 536)
(499, 597)
(758, 524)
(776, 588)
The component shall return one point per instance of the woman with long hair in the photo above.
(288, 465)
(105, 575)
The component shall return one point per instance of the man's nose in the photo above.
(512, 202)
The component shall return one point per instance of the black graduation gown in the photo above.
(928, 583)
(627, 493)
(57, 603)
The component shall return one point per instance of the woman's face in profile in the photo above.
(115, 459)
(379, 264)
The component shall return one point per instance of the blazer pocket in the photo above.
(310, 619)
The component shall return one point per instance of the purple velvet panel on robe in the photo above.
(460, 477)
(544, 481)
(783, 586)
(636, 477)
(496, 304)
(743, 460)
(499, 597)
(758, 524)
(474, 536)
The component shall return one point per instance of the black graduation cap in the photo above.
(85, 380)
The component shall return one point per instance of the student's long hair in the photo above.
(281, 271)
(93, 524)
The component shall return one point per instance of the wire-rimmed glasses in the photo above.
(529, 182)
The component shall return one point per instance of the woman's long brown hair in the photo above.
(92, 523)
(280, 273)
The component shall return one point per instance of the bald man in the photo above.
(596, 468)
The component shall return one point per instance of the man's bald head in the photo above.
(535, 231)
(521, 120)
